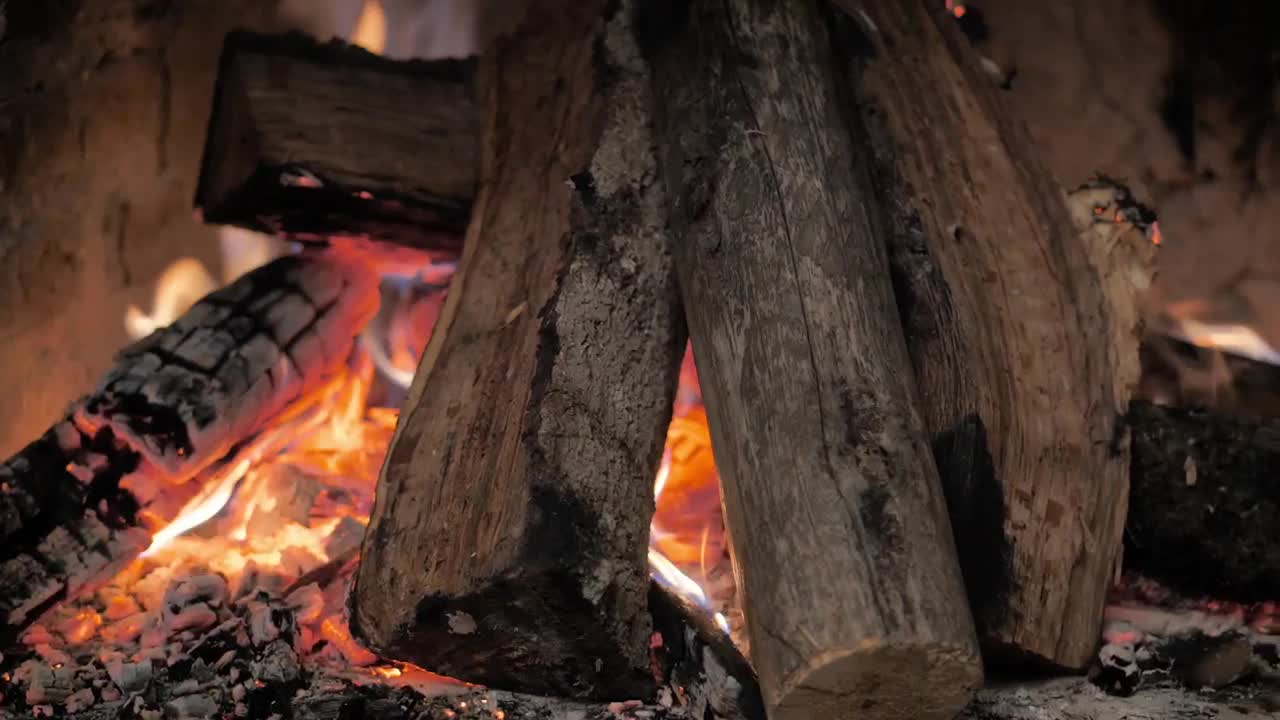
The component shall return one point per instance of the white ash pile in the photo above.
(1154, 638)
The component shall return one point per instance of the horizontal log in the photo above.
(88, 494)
(310, 139)
(1205, 502)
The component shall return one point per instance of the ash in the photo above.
(1156, 639)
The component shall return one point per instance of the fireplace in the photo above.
(431, 440)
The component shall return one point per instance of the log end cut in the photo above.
(878, 679)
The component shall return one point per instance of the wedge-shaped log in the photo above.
(87, 496)
(309, 139)
(507, 545)
(1022, 321)
(850, 582)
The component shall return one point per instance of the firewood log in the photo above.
(507, 545)
(310, 140)
(86, 496)
(851, 588)
(1021, 316)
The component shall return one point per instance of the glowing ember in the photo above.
(278, 526)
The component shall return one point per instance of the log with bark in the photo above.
(507, 545)
(86, 496)
(849, 577)
(310, 140)
(1022, 320)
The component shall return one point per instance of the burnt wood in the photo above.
(311, 140)
(85, 497)
(1021, 312)
(849, 578)
(1205, 505)
(507, 545)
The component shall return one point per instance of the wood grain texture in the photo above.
(508, 541)
(310, 139)
(849, 578)
(1021, 333)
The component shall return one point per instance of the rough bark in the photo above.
(308, 140)
(507, 543)
(1205, 502)
(848, 573)
(87, 495)
(1022, 319)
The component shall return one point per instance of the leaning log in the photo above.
(309, 140)
(86, 496)
(507, 545)
(1022, 325)
(849, 577)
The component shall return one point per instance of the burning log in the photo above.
(1021, 316)
(851, 588)
(87, 495)
(310, 139)
(1204, 508)
(507, 545)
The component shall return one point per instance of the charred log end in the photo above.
(537, 632)
(975, 501)
(690, 652)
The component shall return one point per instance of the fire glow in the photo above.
(285, 514)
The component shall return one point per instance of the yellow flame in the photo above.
(371, 28)
(1228, 337)
(181, 284)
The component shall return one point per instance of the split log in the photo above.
(1022, 319)
(308, 140)
(1205, 502)
(507, 545)
(849, 577)
(86, 496)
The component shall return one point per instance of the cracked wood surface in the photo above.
(848, 574)
(85, 497)
(507, 545)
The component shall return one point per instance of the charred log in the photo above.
(310, 140)
(1021, 316)
(1205, 502)
(507, 544)
(841, 540)
(87, 495)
